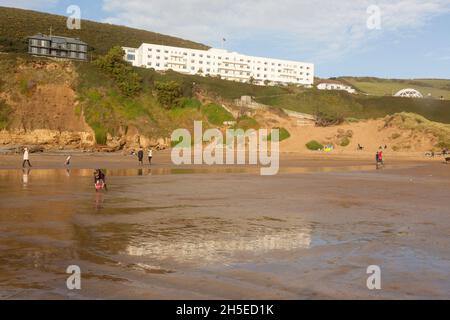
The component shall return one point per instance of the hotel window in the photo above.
(201, 56)
(165, 58)
(149, 63)
(166, 51)
(158, 64)
(192, 61)
(149, 49)
(157, 50)
(149, 56)
(185, 53)
(192, 68)
(193, 54)
(158, 57)
(200, 62)
(131, 57)
(208, 57)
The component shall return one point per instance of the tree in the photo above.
(128, 81)
(168, 92)
(266, 82)
(251, 80)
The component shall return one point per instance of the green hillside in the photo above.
(358, 106)
(17, 24)
(388, 87)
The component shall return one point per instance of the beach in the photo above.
(164, 232)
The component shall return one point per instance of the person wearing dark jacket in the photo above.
(141, 156)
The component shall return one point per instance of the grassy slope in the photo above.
(357, 106)
(388, 87)
(418, 123)
(17, 24)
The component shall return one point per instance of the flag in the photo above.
(224, 39)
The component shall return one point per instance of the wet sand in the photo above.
(308, 233)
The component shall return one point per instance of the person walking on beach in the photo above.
(380, 157)
(150, 156)
(26, 158)
(68, 161)
(141, 156)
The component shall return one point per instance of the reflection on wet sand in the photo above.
(53, 173)
(201, 249)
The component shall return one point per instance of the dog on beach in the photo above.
(447, 160)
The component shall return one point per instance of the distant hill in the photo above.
(388, 87)
(17, 24)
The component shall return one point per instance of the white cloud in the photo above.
(329, 28)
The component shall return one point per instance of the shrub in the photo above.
(100, 134)
(168, 93)
(328, 119)
(314, 145)
(128, 81)
(189, 103)
(246, 123)
(345, 141)
(283, 135)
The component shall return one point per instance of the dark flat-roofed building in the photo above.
(58, 47)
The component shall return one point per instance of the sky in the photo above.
(379, 38)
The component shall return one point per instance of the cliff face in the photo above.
(43, 106)
(45, 109)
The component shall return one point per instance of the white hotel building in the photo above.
(217, 62)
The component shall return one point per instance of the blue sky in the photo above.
(411, 38)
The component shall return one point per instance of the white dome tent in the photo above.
(409, 93)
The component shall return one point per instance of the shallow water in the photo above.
(173, 224)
